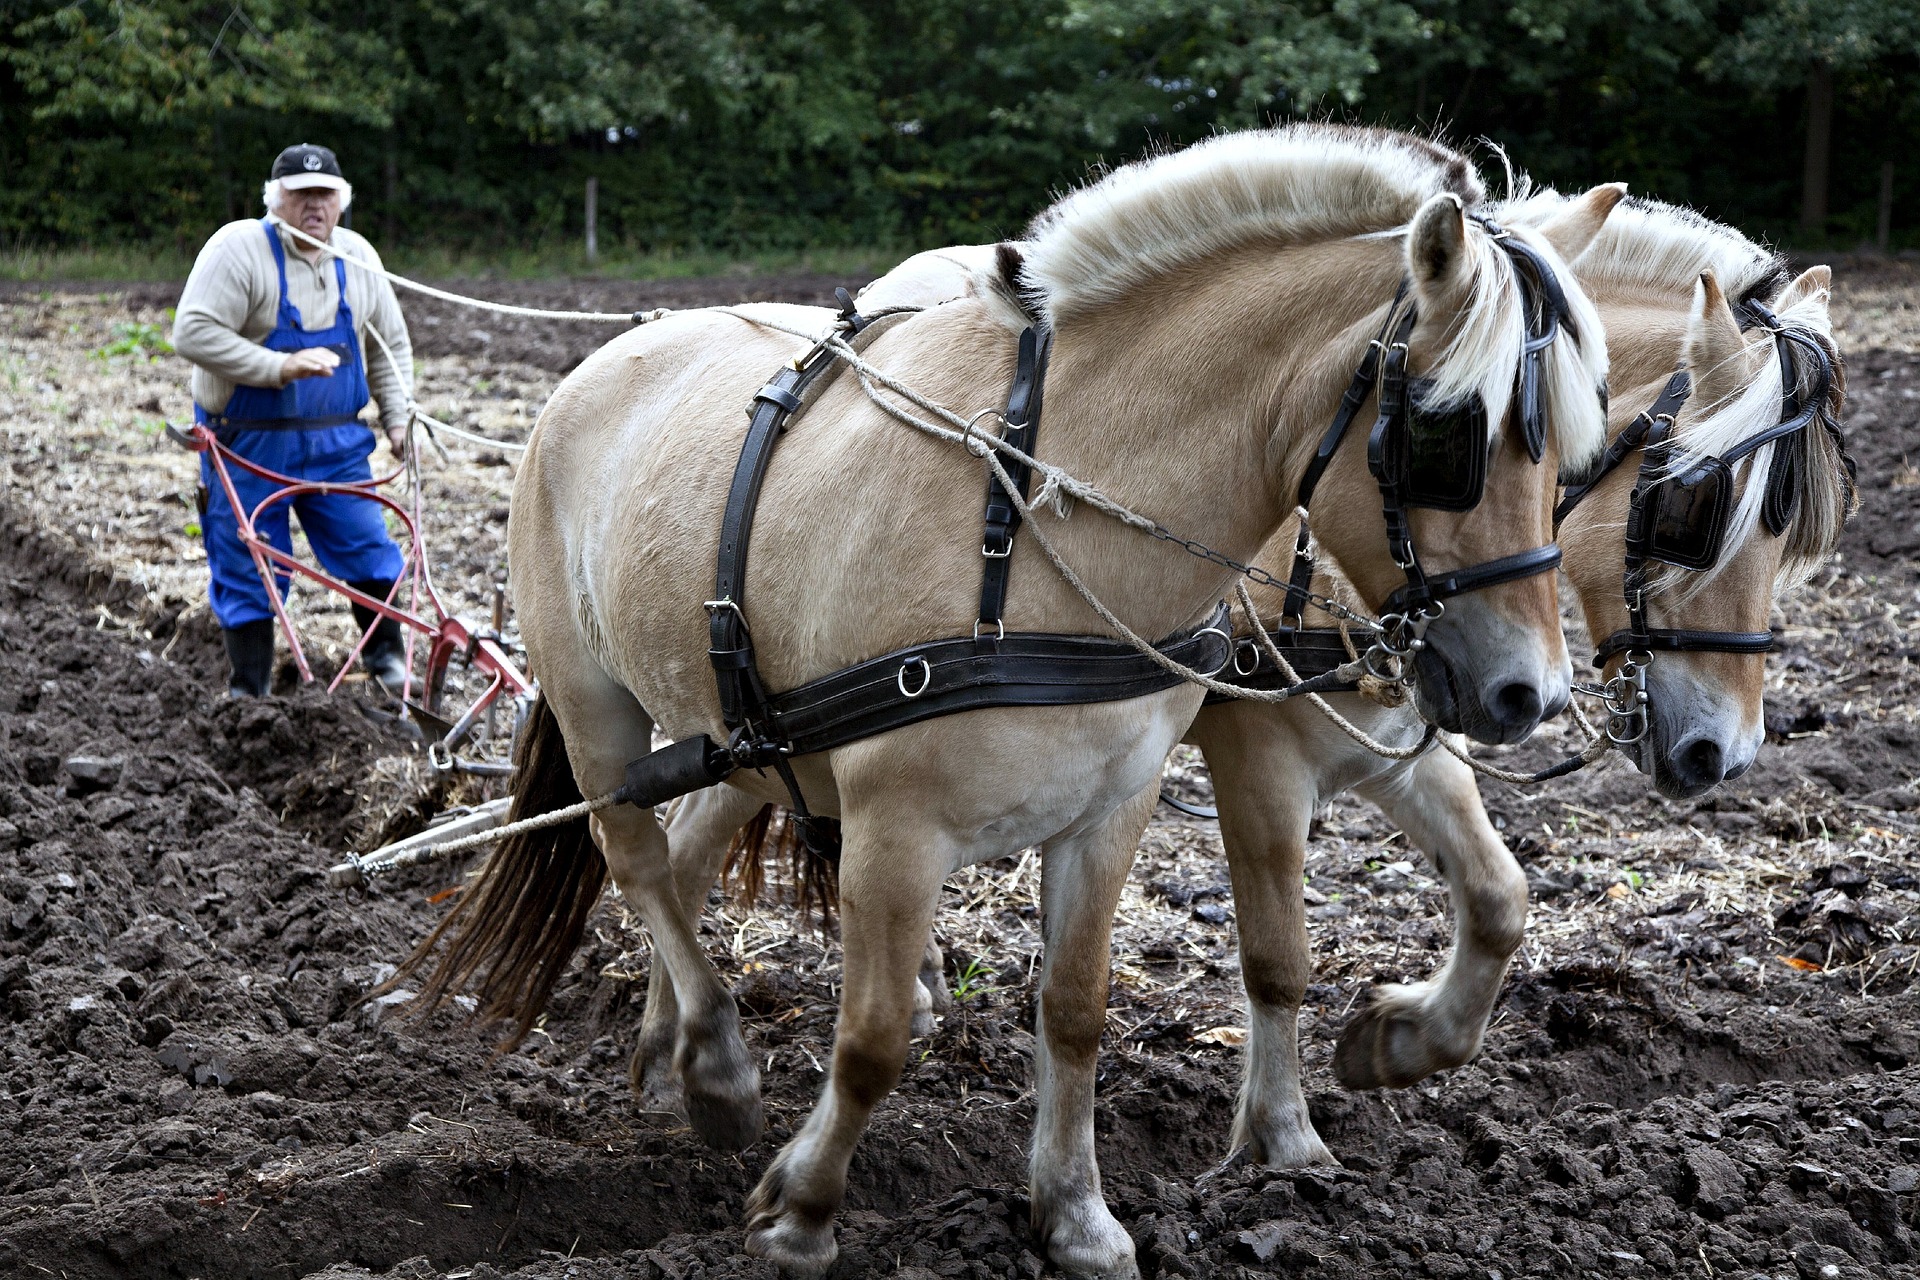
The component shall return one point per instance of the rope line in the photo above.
(500, 308)
(368, 868)
(1346, 726)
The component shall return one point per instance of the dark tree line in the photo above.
(760, 123)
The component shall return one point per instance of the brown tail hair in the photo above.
(776, 833)
(512, 933)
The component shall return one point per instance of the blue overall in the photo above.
(309, 429)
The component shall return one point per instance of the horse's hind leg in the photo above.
(607, 728)
(1081, 879)
(1409, 1032)
(1264, 785)
(699, 828)
(890, 873)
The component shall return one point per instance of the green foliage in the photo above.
(761, 126)
(136, 340)
(975, 980)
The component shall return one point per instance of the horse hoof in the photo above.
(726, 1122)
(1387, 1046)
(1285, 1147)
(1084, 1239)
(782, 1234)
(655, 1087)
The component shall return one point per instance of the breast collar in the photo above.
(1652, 432)
(1408, 611)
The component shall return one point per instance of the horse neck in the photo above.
(1199, 405)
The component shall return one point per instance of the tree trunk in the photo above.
(391, 218)
(593, 218)
(1813, 198)
(1883, 225)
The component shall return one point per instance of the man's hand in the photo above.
(313, 362)
(397, 439)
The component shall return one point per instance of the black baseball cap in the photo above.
(306, 165)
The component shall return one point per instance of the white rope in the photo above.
(1346, 726)
(360, 870)
(413, 406)
(501, 308)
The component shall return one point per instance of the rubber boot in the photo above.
(250, 654)
(385, 655)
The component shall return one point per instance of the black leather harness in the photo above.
(1652, 433)
(991, 668)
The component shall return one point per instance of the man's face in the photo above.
(313, 210)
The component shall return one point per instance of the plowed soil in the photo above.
(1706, 1062)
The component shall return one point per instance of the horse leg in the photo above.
(699, 828)
(1265, 790)
(1409, 1032)
(1081, 879)
(931, 996)
(890, 875)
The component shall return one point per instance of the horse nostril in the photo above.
(1700, 763)
(1517, 703)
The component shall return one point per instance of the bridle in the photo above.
(1442, 467)
(1683, 519)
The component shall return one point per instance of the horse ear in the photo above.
(1436, 248)
(1573, 227)
(1814, 285)
(1716, 353)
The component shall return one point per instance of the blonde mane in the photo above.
(1646, 243)
(1302, 184)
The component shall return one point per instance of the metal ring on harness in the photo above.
(968, 435)
(926, 677)
(1216, 631)
(1253, 658)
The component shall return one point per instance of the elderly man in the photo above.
(276, 330)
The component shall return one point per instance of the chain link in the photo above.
(1255, 574)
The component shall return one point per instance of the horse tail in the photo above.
(511, 934)
(808, 847)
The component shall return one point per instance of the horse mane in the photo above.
(1647, 243)
(1291, 185)
(1302, 184)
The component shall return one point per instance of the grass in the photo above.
(149, 263)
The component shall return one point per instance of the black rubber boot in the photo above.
(250, 654)
(385, 655)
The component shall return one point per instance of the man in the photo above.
(276, 330)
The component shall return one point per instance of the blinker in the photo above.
(1439, 453)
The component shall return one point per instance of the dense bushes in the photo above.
(754, 123)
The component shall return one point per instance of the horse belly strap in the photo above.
(945, 677)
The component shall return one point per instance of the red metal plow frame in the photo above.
(444, 638)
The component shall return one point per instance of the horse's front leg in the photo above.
(699, 828)
(1265, 787)
(891, 867)
(1409, 1032)
(1081, 879)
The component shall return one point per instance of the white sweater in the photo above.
(232, 301)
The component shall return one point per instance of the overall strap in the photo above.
(286, 306)
(1022, 420)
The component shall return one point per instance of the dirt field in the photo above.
(188, 1091)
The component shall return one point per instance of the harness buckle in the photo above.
(1000, 627)
(1001, 554)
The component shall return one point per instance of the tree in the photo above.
(1783, 45)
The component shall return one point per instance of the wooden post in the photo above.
(1813, 196)
(593, 218)
(392, 175)
(1883, 229)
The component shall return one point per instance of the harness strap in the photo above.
(1491, 573)
(1022, 420)
(1682, 640)
(1667, 405)
(1313, 652)
(1300, 581)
